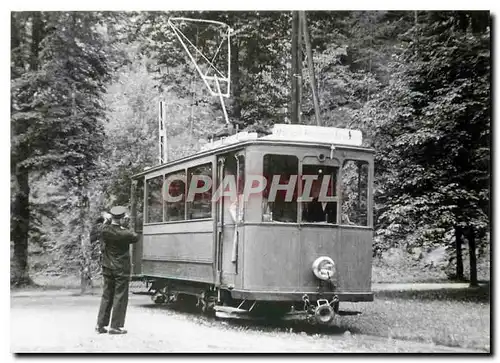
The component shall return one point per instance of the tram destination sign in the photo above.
(331, 135)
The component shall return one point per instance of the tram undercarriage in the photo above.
(219, 302)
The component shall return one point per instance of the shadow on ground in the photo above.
(269, 324)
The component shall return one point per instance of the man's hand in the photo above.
(125, 221)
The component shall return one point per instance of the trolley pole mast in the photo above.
(310, 65)
(299, 30)
(296, 72)
(162, 134)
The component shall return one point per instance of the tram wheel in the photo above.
(159, 299)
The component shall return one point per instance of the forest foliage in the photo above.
(85, 88)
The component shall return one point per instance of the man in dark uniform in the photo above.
(115, 240)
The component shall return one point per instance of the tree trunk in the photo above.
(472, 257)
(86, 253)
(20, 215)
(15, 37)
(36, 38)
(85, 267)
(15, 47)
(458, 247)
(84, 237)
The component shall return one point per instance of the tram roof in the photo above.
(258, 141)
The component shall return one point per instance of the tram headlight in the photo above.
(323, 268)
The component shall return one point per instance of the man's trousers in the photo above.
(114, 299)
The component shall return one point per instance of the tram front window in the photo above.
(318, 189)
(355, 192)
(279, 199)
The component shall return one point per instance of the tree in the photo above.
(57, 99)
(434, 146)
(259, 61)
(22, 118)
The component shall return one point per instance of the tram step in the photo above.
(229, 312)
(230, 309)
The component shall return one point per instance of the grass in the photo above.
(383, 273)
(72, 282)
(479, 294)
(42, 281)
(448, 317)
(401, 267)
(445, 317)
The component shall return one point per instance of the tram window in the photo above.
(175, 200)
(199, 204)
(139, 208)
(154, 200)
(277, 208)
(355, 192)
(317, 210)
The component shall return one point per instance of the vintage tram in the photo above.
(275, 251)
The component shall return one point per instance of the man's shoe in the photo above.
(117, 331)
(101, 329)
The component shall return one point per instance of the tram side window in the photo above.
(277, 207)
(355, 193)
(154, 200)
(139, 200)
(322, 207)
(175, 196)
(199, 202)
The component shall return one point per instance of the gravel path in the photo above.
(58, 321)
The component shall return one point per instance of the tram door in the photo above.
(230, 215)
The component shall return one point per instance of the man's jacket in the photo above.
(116, 240)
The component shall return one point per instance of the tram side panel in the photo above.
(271, 258)
(181, 251)
(355, 267)
(136, 259)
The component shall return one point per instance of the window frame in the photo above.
(297, 220)
(139, 222)
(146, 203)
(336, 197)
(368, 192)
(178, 171)
(188, 184)
(237, 156)
(328, 162)
(162, 173)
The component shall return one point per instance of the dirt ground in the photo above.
(60, 321)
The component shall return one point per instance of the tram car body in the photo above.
(277, 256)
